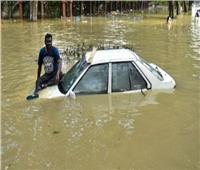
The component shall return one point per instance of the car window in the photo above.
(94, 81)
(71, 76)
(126, 77)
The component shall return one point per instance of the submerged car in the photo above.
(110, 71)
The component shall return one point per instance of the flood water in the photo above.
(159, 131)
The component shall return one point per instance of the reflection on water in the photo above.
(195, 29)
(82, 116)
(127, 131)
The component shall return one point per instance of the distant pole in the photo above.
(171, 9)
(94, 8)
(184, 6)
(97, 8)
(67, 8)
(144, 5)
(90, 8)
(21, 9)
(42, 9)
(105, 7)
(177, 7)
(121, 6)
(71, 13)
(33, 10)
(81, 7)
(63, 8)
(132, 5)
(190, 5)
(110, 6)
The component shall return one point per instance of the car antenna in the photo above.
(94, 49)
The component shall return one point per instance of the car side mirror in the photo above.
(72, 95)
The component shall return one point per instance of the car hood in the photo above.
(168, 81)
(50, 92)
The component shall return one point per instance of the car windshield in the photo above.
(154, 71)
(71, 76)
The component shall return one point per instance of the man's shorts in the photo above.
(46, 80)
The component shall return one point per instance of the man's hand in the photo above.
(57, 78)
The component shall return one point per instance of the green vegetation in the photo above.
(34, 10)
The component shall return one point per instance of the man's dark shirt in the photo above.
(49, 59)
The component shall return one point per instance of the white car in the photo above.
(110, 71)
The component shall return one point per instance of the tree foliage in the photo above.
(53, 9)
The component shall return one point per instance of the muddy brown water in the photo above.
(159, 131)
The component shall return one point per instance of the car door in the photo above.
(125, 77)
(94, 81)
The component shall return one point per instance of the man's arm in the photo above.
(39, 71)
(40, 62)
(59, 62)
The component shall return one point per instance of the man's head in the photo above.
(48, 40)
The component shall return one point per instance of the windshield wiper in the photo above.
(159, 73)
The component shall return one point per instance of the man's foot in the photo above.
(44, 86)
(33, 96)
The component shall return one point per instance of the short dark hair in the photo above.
(48, 35)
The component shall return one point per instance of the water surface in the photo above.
(132, 131)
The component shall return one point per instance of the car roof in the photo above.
(111, 55)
